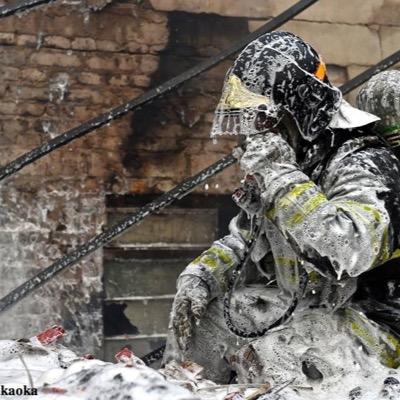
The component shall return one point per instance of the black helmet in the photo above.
(275, 73)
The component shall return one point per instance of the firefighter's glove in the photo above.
(271, 160)
(248, 196)
(189, 306)
(266, 151)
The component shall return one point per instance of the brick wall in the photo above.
(65, 63)
(60, 66)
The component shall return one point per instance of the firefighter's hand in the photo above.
(189, 306)
(266, 151)
(248, 196)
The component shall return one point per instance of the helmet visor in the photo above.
(241, 111)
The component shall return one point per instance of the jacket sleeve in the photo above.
(214, 264)
(344, 226)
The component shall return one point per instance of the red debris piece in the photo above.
(51, 335)
(89, 357)
(54, 389)
(125, 355)
(234, 396)
(195, 369)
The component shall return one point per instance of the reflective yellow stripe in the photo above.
(396, 254)
(214, 258)
(285, 261)
(372, 211)
(223, 256)
(369, 216)
(375, 338)
(314, 277)
(384, 253)
(363, 333)
(307, 208)
(206, 260)
(290, 198)
(353, 208)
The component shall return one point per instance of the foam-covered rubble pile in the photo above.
(43, 364)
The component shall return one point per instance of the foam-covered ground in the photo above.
(58, 373)
(42, 363)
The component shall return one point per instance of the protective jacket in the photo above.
(338, 216)
(326, 202)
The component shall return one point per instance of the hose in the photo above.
(303, 280)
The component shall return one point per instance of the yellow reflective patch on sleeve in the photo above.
(209, 261)
(384, 254)
(396, 254)
(290, 197)
(373, 212)
(370, 216)
(307, 208)
(300, 188)
(215, 258)
(285, 262)
(377, 340)
(390, 355)
(223, 255)
(314, 277)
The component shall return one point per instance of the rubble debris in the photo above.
(237, 395)
(58, 373)
(51, 335)
(126, 356)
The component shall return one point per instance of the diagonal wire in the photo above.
(150, 95)
(367, 74)
(19, 6)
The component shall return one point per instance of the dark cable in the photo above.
(303, 280)
(370, 72)
(19, 6)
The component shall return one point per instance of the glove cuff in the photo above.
(279, 180)
(204, 275)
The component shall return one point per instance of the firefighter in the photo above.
(381, 96)
(321, 197)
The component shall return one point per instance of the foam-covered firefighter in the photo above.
(320, 207)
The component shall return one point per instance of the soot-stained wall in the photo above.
(62, 65)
